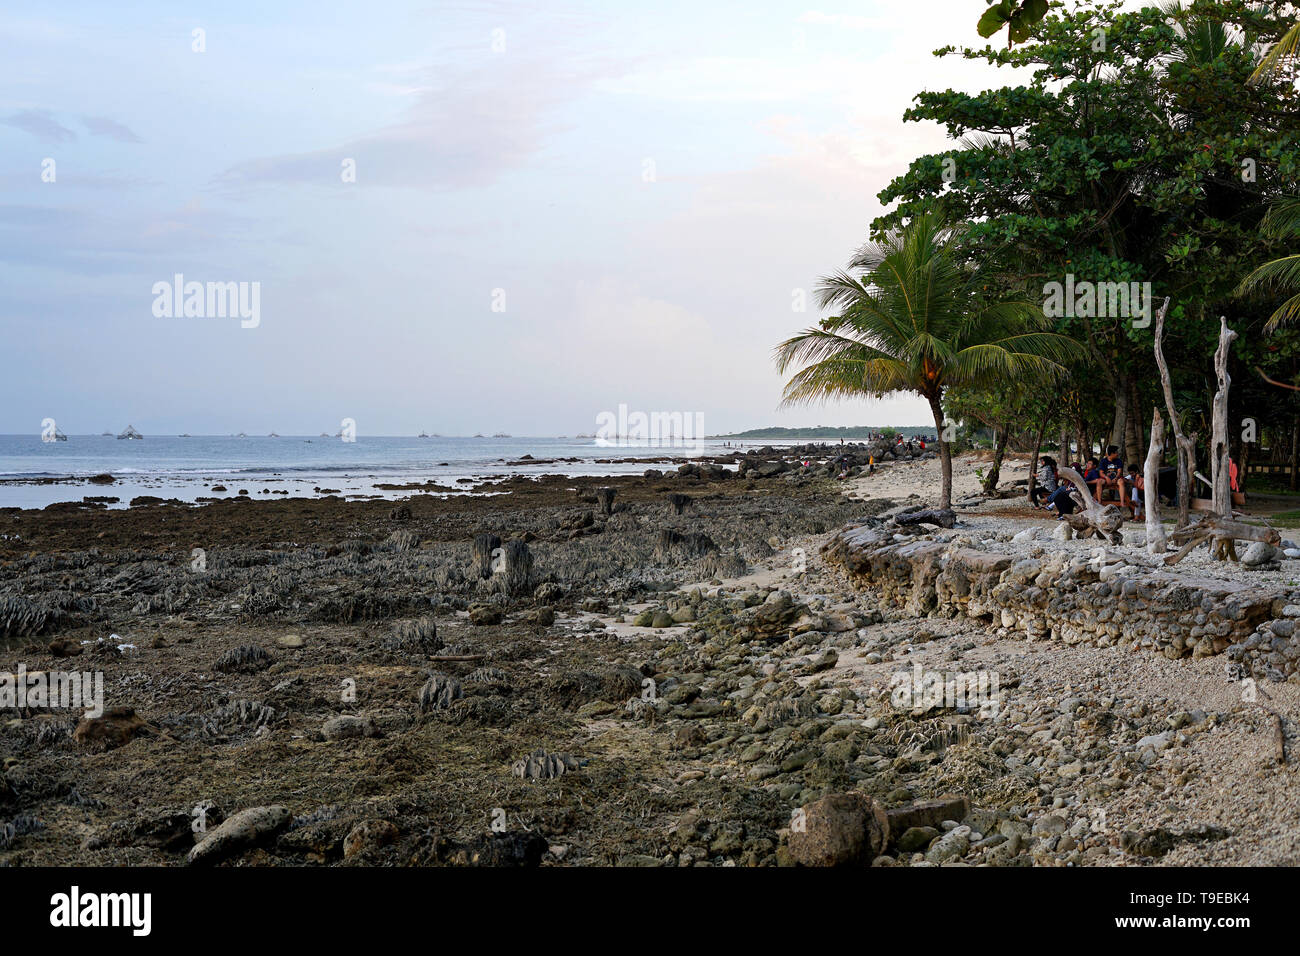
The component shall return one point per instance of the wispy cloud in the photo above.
(464, 128)
(42, 125)
(102, 126)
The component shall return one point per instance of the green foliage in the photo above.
(1018, 18)
(915, 317)
(1137, 151)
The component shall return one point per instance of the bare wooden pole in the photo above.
(1156, 543)
(1220, 477)
(1219, 451)
(1185, 445)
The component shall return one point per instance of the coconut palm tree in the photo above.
(914, 317)
(1279, 275)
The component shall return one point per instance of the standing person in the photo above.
(1045, 486)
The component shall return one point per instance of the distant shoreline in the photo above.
(848, 432)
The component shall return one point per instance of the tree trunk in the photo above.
(1033, 462)
(1156, 543)
(999, 449)
(1119, 430)
(1294, 483)
(1064, 458)
(945, 451)
(1136, 447)
(1243, 464)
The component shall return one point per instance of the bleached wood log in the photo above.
(1222, 531)
(1105, 522)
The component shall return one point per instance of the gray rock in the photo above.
(951, 845)
(346, 725)
(1258, 554)
(242, 830)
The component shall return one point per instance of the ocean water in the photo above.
(169, 466)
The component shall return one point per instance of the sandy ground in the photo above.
(924, 479)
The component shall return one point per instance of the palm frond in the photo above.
(1277, 58)
(1283, 218)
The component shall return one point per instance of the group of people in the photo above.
(1100, 475)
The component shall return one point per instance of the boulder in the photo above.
(840, 829)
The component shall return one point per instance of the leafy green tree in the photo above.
(1136, 152)
(914, 317)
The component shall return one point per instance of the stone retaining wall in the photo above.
(1094, 599)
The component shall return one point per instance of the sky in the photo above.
(460, 216)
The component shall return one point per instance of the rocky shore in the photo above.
(671, 672)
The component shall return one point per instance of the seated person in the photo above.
(1111, 470)
(1136, 485)
(1046, 479)
(1092, 477)
(1062, 500)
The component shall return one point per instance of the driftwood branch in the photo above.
(1104, 522)
(1294, 388)
(1222, 531)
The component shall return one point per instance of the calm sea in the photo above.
(186, 468)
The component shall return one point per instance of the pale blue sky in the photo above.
(769, 128)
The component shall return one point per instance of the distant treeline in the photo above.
(820, 432)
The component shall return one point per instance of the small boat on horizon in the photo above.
(130, 434)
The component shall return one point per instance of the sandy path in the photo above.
(902, 480)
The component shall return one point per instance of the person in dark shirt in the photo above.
(1092, 477)
(1111, 469)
